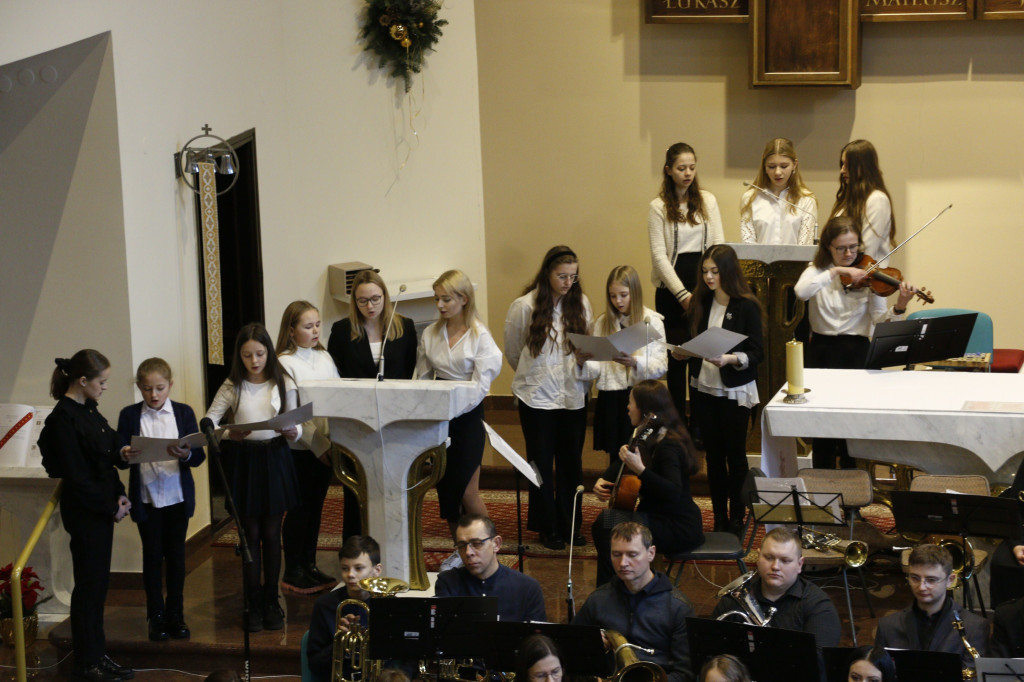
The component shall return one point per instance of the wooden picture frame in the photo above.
(695, 11)
(907, 10)
(999, 9)
(804, 43)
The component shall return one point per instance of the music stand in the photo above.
(581, 647)
(837, 662)
(425, 628)
(910, 342)
(934, 666)
(769, 653)
(957, 514)
(999, 669)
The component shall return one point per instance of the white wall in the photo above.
(328, 136)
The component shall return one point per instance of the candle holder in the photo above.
(796, 398)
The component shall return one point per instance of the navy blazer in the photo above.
(129, 424)
(742, 316)
(355, 361)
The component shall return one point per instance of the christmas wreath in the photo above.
(400, 32)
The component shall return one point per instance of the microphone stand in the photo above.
(241, 548)
(384, 339)
(521, 550)
(804, 210)
(570, 601)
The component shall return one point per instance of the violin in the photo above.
(883, 282)
(626, 491)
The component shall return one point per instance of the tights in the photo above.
(263, 533)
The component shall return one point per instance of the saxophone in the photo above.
(958, 623)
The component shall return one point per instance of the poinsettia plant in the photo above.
(31, 590)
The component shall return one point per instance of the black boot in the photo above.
(176, 626)
(124, 672)
(273, 614)
(254, 621)
(157, 628)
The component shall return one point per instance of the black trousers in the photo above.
(463, 458)
(163, 542)
(301, 528)
(92, 540)
(723, 424)
(835, 352)
(554, 442)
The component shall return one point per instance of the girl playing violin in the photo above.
(842, 319)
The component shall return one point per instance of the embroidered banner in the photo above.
(211, 264)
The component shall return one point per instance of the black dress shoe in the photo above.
(176, 627)
(298, 579)
(579, 540)
(552, 541)
(94, 673)
(158, 629)
(108, 664)
(316, 574)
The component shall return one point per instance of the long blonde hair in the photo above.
(797, 188)
(626, 276)
(395, 330)
(456, 283)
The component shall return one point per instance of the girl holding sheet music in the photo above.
(264, 484)
(624, 307)
(724, 389)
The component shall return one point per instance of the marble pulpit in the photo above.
(392, 430)
(939, 422)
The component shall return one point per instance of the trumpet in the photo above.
(629, 668)
(751, 612)
(958, 624)
(855, 552)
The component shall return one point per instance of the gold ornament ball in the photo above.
(399, 32)
(419, 25)
(406, 43)
(385, 19)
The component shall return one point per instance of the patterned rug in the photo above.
(501, 506)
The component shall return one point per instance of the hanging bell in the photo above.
(227, 164)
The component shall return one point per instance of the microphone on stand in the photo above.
(570, 601)
(207, 429)
(804, 210)
(384, 339)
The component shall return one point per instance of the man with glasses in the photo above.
(927, 624)
(642, 605)
(482, 575)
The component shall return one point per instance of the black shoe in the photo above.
(254, 620)
(298, 579)
(108, 664)
(176, 627)
(316, 574)
(552, 541)
(94, 673)
(273, 614)
(158, 628)
(579, 540)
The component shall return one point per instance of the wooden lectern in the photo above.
(391, 430)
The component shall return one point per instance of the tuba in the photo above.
(751, 613)
(855, 552)
(962, 554)
(352, 647)
(629, 668)
(958, 625)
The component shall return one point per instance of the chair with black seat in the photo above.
(719, 545)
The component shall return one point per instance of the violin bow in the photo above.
(878, 262)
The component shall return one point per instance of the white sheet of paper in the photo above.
(710, 343)
(626, 341)
(513, 457)
(155, 449)
(300, 414)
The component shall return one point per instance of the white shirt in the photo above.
(710, 378)
(256, 403)
(549, 381)
(834, 311)
(161, 481)
(474, 357)
(666, 238)
(876, 226)
(651, 361)
(308, 364)
(771, 221)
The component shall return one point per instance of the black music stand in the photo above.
(934, 666)
(769, 653)
(923, 339)
(837, 662)
(429, 628)
(581, 647)
(957, 514)
(1000, 670)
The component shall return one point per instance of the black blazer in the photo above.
(129, 423)
(742, 316)
(354, 360)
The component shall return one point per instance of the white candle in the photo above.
(795, 367)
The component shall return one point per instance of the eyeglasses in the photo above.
(477, 545)
(373, 300)
(929, 580)
(853, 248)
(555, 674)
(567, 278)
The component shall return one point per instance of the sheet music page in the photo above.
(155, 449)
(628, 341)
(710, 343)
(513, 457)
(300, 414)
(599, 346)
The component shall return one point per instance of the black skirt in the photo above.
(264, 481)
(612, 429)
(462, 459)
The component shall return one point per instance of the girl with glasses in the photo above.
(863, 197)
(551, 396)
(356, 345)
(842, 321)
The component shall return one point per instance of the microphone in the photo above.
(384, 340)
(804, 210)
(207, 428)
(570, 601)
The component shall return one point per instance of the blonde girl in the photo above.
(770, 216)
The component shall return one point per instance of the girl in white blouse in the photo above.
(551, 395)
(264, 484)
(842, 321)
(458, 347)
(624, 307)
(862, 196)
(304, 357)
(765, 215)
(682, 222)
